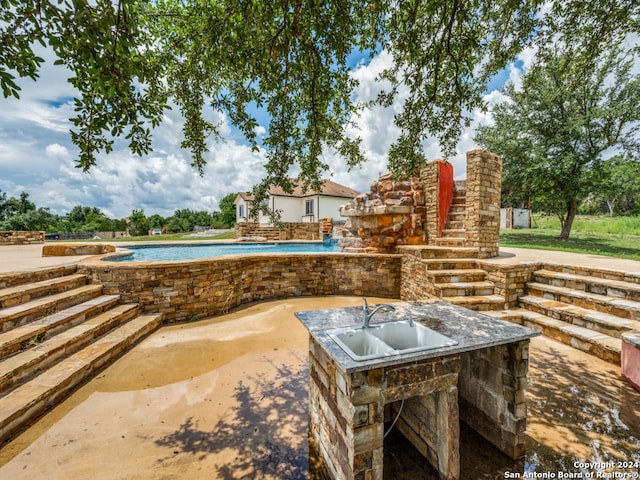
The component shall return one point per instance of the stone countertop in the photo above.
(472, 330)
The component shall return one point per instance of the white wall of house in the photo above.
(329, 207)
(291, 208)
(295, 209)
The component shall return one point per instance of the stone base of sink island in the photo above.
(481, 380)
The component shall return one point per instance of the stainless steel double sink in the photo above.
(387, 339)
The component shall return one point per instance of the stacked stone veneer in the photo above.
(20, 238)
(285, 231)
(194, 289)
(492, 387)
(392, 213)
(350, 408)
(484, 183)
(396, 213)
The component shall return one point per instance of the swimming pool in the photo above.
(151, 253)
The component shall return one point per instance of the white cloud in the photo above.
(57, 151)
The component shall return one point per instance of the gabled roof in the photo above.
(329, 189)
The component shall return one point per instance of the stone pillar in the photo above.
(429, 178)
(484, 183)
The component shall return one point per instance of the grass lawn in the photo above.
(174, 236)
(612, 236)
(156, 238)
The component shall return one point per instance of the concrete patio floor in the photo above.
(227, 398)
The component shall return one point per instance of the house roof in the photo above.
(329, 189)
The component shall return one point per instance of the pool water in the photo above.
(151, 253)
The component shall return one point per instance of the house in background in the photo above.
(299, 207)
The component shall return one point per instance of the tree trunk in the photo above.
(572, 209)
(611, 204)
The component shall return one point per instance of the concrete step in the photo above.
(437, 252)
(583, 317)
(618, 307)
(17, 338)
(456, 275)
(478, 303)
(11, 279)
(598, 344)
(23, 293)
(40, 356)
(463, 289)
(22, 405)
(17, 315)
(602, 286)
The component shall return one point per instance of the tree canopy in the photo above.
(553, 131)
(131, 59)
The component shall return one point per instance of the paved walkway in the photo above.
(26, 257)
(16, 258)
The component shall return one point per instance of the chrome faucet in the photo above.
(367, 314)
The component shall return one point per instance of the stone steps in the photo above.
(453, 233)
(589, 310)
(15, 339)
(17, 368)
(11, 279)
(450, 241)
(23, 293)
(26, 402)
(591, 284)
(608, 324)
(618, 307)
(56, 331)
(459, 289)
(17, 315)
(431, 252)
(435, 264)
(595, 343)
(480, 303)
(453, 275)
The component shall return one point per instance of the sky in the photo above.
(38, 157)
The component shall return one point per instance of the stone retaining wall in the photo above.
(286, 231)
(414, 284)
(11, 237)
(509, 281)
(197, 289)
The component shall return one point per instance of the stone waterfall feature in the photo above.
(412, 211)
(392, 213)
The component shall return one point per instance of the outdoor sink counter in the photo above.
(481, 380)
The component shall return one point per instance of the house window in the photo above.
(240, 211)
(308, 207)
